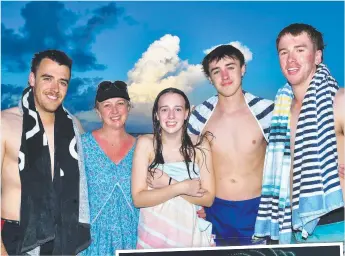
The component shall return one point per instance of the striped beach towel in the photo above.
(316, 185)
(174, 223)
(260, 108)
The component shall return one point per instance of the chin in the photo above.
(294, 82)
(227, 94)
(172, 130)
(51, 109)
(117, 126)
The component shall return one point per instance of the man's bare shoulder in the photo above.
(11, 111)
(11, 116)
(11, 124)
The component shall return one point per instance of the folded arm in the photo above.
(204, 161)
(142, 196)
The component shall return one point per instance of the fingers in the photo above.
(199, 193)
(202, 190)
(202, 210)
(201, 213)
(149, 182)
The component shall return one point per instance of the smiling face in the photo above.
(49, 85)
(172, 112)
(226, 75)
(113, 112)
(298, 58)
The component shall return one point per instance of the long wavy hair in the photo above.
(187, 148)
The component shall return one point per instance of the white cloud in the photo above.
(248, 55)
(160, 67)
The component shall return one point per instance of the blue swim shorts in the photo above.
(233, 222)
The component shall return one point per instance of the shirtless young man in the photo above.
(42, 186)
(239, 123)
(315, 107)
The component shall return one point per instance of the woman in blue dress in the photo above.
(108, 154)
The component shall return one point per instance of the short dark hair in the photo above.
(219, 53)
(298, 28)
(54, 55)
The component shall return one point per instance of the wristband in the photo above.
(170, 180)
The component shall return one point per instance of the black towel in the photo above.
(49, 215)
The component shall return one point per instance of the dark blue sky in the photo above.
(152, 45)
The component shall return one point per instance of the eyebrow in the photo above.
(300, 45)
(46, 75)
(165, 106)
(228, 64)
(50, 76)
(296, 46)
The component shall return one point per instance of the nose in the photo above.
(291, 57)
(114, 109)
(55, 86)
(171, 114)
(224, 74)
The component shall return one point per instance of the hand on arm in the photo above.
(142, 197)
(205, 164)
(159, 180)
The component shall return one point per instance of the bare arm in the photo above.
(339, 120)
(142, 197)
(339, 109)
(3, 149)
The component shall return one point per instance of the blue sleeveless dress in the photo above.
(113, 217)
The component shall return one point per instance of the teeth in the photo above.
(292, 69)
(51, 97)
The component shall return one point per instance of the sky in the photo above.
(154, 45)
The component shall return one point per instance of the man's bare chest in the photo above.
(235, 134)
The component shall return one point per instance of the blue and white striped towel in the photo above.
(316, 185)
(260, 108)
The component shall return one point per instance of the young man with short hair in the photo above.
(302, 197)
(239, 122)
(44, 206)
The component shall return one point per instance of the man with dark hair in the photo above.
(239, 122)
(44, 205)
(302, 197)
(54, 55)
